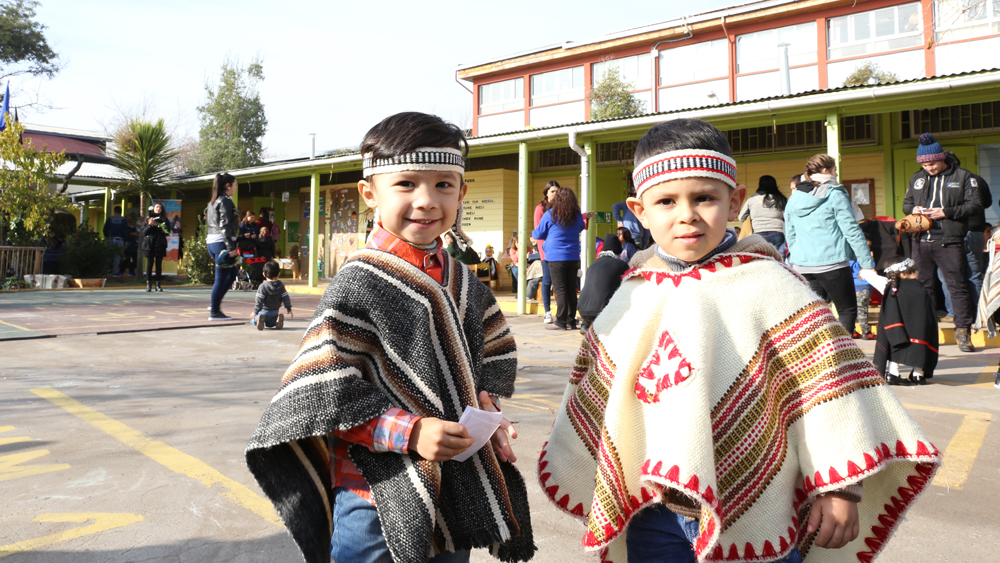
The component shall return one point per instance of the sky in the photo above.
(332, 68)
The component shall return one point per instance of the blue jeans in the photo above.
(224, 277)
(357, 533)
(658, 535)
(776, 238)
(546, 286)
(270, 318)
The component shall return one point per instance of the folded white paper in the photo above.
(873, 279)
(481, 425)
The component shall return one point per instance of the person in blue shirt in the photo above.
(560, 228)
(628, 244)
(116, 233)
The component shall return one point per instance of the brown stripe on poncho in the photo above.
(387, 335)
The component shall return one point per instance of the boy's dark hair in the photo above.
(405, 132)
(271, 269)
(117, 209)
(680, 134)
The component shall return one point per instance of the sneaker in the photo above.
(220, 316)
(280, 323)
(869, 336)
(548, 318)
(947, 319)
(260, 323)
(554, 326)
(856, 335)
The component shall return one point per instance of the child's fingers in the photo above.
(855, 531)
(454, 429)
(508, 426)
(815, 516)
(825, 534)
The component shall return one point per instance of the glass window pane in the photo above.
(577, 77)
(909, 18)
(519, 89)
(565, 80)
(838, 31)
(508, 90)
(484, 95)
(885, 22)
(861, 25)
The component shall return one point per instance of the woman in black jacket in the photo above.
(154, 245)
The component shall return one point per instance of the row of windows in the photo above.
(963, 19)
(965, 119)
(885, 29)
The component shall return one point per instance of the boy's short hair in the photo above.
(405, 132)
(117, 209)
(271, 269)
(681, 134)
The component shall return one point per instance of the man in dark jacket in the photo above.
(946, 194)
(116, 234)
(975, 240)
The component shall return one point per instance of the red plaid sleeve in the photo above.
(387, 433)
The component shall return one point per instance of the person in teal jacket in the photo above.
(823, 235)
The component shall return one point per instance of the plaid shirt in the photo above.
(391, 431)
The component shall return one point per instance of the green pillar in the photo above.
(524, 224)
(106, 211)
(892, 204)
(833, 137)
(314, 231)
(84, 212)
(591, 239)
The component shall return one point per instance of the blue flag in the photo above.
(5, 109)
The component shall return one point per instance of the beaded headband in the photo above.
(899, 267)
(442, 159)
(687, 163)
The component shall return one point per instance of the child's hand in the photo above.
(438, 440)
(836, 519)
(501, 445)
(291, 315)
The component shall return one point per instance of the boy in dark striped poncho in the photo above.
(355, 448)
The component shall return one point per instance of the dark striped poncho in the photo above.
(387, 335)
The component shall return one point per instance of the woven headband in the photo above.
(688, 163)
(442, 159)
(900, 266)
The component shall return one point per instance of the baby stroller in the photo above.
(251, 268)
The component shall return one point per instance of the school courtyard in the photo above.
(124, 417)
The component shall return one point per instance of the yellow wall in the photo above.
(866, 166)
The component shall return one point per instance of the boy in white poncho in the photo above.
(706, 421)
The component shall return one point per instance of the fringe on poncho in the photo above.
(385, 334)
(732, 384)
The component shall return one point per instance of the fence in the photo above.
(19, 261)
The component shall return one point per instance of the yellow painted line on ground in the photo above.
(576, 347)
(17, 327)
(102, 522)
(962, 450)
(167, 456)
(10, 467)
(543, 363)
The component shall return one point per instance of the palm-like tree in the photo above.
(145, 153)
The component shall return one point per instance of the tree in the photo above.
(869, 73)
(232, 119)
(27, 201)
(143, 151)
(23, 47)
(612, 97)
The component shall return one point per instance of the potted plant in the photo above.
(88, 258)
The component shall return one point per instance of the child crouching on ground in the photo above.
(355, 450)
(701, 421)
(907, 327)
(270, 296)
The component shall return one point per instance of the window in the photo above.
(759, 51)
(887, 29)
(961, 19)
(622, 152)
(692, 63)
(557, 86)
(854, 131)
(634, 70)
(501, 96)
(952, 120)
(564, 157)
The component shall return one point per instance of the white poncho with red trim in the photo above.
(732, 383)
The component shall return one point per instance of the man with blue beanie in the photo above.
(949, 196)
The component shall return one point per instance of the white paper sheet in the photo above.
(875, 280)
(481, 425)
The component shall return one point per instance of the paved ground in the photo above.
(38, 314)
(129, 447)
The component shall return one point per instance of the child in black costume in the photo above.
(907, 327)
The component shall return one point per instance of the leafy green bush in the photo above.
(7, 284)
(87, 256)
(200, 266)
